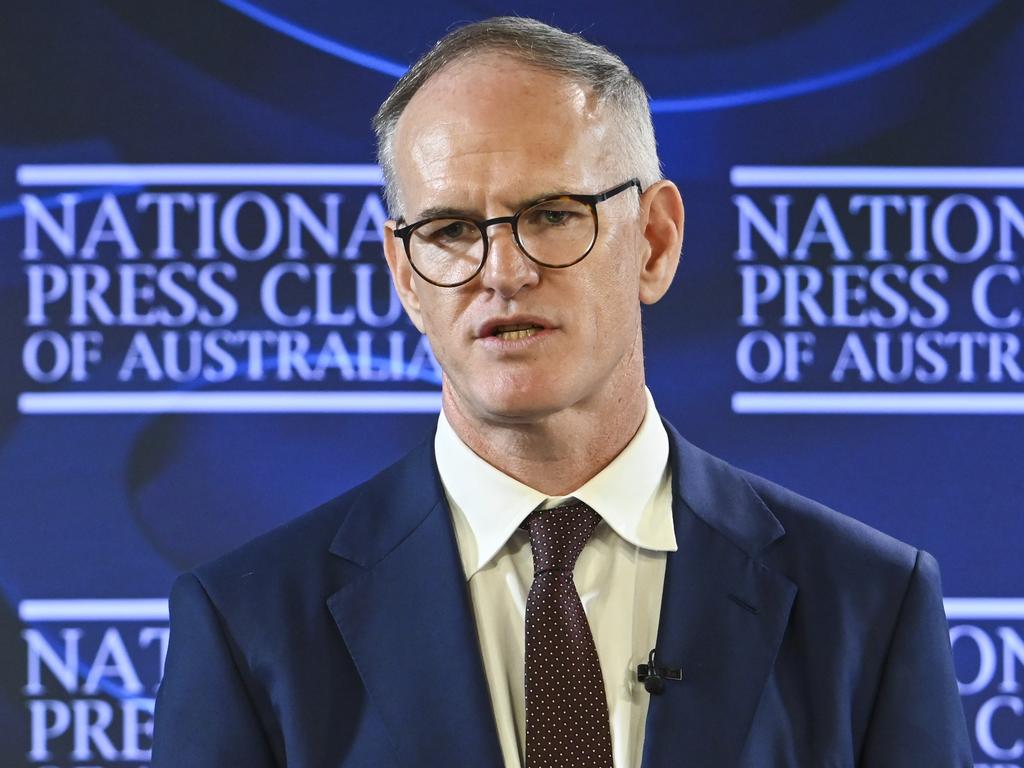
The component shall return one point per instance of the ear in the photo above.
(662, 217)
(402, 275)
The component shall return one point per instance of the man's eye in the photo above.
(447, 231)
(550, 217)
(555, 217)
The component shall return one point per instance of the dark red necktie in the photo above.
(566, 710)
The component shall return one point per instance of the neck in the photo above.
(558, 452)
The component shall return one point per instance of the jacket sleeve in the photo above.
(204, 717)
(917, 719)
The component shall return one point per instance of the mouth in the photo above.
(517, 331)
(517, 328)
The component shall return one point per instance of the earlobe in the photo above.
(402, 276)
(663, 231)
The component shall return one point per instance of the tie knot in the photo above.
(557, 535)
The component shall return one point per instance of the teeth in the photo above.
(512, 335)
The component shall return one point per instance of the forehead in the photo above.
(493, 128)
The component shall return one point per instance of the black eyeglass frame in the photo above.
(405, 233)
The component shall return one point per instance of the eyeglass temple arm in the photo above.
(616, 190)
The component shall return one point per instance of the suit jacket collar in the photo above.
(408, 624)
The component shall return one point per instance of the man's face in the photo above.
(483, 137)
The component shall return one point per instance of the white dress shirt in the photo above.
(619, 574)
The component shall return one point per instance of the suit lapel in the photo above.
(723, 614)
(407, 621)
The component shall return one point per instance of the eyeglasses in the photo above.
(555, 232)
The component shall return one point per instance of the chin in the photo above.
(519, 400)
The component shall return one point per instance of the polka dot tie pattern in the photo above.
(566, 710)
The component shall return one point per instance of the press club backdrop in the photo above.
(200, 342)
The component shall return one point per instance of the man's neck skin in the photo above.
(557, 454)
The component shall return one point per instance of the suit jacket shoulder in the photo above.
(287, 559)
(819, 539)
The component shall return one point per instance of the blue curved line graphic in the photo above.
(811, 84)
(270, 363)
(314, 40)
(658, 106)
(15, 209)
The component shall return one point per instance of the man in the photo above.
(488, 599)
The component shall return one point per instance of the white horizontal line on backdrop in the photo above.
(199, 175)
(876, 176)
(93, 610)
(984, 607)
(879, 402)
(228, 402)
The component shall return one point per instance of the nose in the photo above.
(508, 270)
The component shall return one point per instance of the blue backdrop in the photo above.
(199, 340)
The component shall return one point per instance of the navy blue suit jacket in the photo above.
(347, 638)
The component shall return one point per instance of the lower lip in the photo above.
(498, 344)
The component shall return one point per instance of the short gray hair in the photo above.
(547, 48)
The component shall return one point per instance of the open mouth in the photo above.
(513, 332)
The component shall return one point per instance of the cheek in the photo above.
(440, 315)
(613, 292)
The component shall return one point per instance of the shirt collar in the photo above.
(632, 494)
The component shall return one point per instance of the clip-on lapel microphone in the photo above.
(653, 677)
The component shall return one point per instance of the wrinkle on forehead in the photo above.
(505, 120)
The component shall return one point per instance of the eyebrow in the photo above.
(445, 211)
